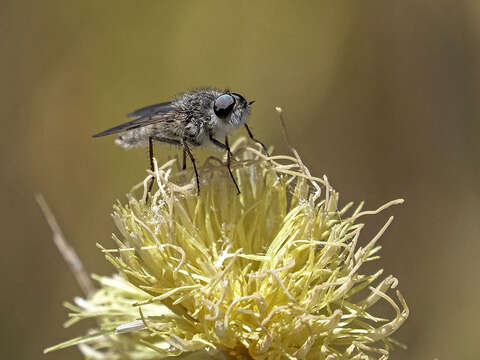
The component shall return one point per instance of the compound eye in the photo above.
(223, 105)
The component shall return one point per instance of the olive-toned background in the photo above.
(382, 96)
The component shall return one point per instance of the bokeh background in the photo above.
(382, 96)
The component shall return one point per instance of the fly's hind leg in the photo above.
(152, 168)
(150, 152)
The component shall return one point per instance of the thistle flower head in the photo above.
(272, 273)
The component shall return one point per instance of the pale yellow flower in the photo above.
(272, 273)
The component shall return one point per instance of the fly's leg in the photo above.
(184, 165)
(257, 141)
(229, 157)
(152, 168)
(150, 152)
(186, 150)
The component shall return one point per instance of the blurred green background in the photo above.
(381, 96)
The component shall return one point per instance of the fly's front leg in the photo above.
(257, 141)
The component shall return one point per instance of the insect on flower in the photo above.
(196, 118)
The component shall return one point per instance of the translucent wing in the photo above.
(152, 109)
(145, 116)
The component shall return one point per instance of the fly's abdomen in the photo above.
(134, 138)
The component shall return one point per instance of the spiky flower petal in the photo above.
(273, 273)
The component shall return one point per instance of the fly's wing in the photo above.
(152, 110)
(145, 116)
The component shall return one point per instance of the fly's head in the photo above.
(232, 109)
